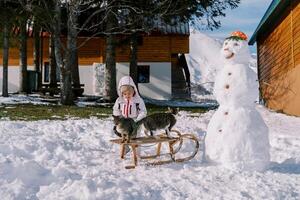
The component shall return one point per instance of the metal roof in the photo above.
(271, 15)
(181, 28)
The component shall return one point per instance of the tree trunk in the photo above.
(72, 47)
(52, 63)
(75, 67)
(23, 57)
(5, 59)
(36, 53)
(133, 67)
(66, 97)
(110, 90)
(41, 59)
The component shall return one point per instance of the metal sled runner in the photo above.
(174, 146)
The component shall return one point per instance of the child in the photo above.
(129, 104)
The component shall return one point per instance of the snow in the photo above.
(24, 99)
(203, 61)
(74, 159)
(203, 64)
(237, 136)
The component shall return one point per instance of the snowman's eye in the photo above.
(226, 43)
(236, 44)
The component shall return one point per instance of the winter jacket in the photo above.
(135, 108)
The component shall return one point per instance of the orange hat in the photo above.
(239, 34)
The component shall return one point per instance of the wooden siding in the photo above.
(156, 48)
(90, 51)
(279, 63)
(153, 49)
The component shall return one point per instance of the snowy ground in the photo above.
(74, 159)
(24, 99)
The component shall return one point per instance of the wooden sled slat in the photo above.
(178, 160)
(145, 140)
(130, 167)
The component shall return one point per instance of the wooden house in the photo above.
(161, 76)
(278, 53)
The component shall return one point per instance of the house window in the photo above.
(46, 72)
(144, 73)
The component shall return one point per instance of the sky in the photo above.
(244, 18)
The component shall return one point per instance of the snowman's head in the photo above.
(235, 48)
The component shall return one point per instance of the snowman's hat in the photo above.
(238, 35)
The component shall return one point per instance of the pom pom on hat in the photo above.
(238, 35)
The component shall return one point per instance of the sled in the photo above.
(174, 146)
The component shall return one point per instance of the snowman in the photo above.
(237, 136)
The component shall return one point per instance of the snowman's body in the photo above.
(237, 135)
